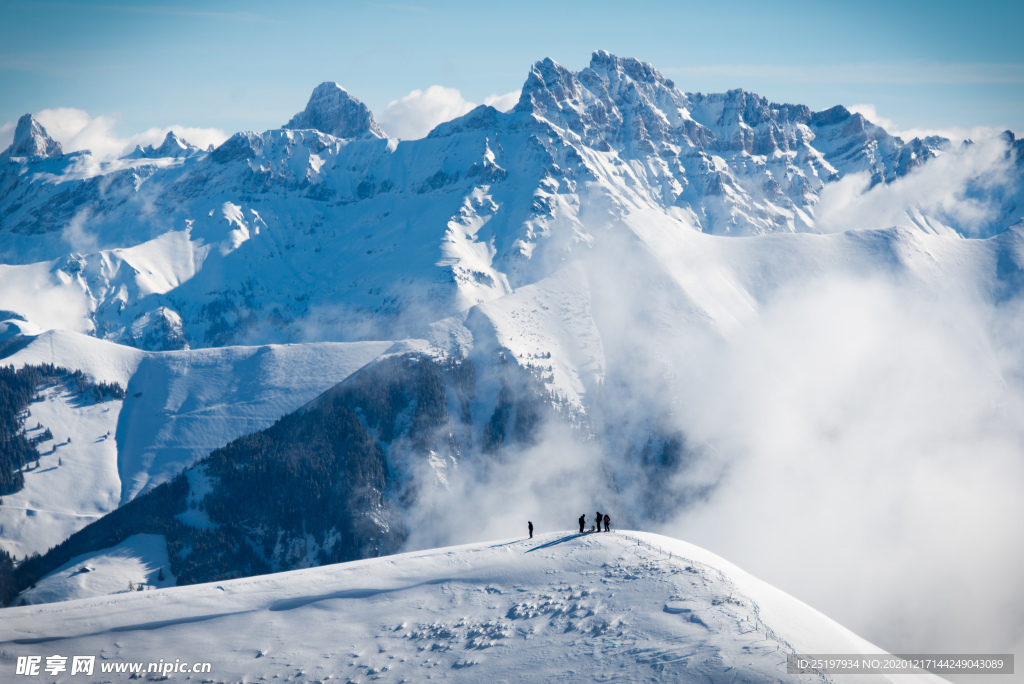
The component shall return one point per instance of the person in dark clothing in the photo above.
(583, 521)
(607, 523)
(597, 518)
(530, 523)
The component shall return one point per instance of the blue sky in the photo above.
(251, 65)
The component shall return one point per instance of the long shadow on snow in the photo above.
(299, 602)
(557, 541)
(283, 604)
(130, 628)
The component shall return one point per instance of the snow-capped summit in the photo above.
(172, 147)
(618, 101)
(333, 111)
(31, 140)
(733, 163)
(602, 61)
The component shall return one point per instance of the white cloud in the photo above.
(869, 112)
(415, 115)
(76, 129)
(946, 189)
(503, 103)
(77, 235)
(39, 293)
(953, 133)
(873, 434)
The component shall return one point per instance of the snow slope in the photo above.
(559, 607)
(180, 406)
(76, 481)
(139, 559)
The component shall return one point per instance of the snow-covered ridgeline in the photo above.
(325, 230)
(583, 606)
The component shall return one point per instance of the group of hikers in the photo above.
(583, 523)
(597, 517)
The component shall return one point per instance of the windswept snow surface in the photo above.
(559, 607)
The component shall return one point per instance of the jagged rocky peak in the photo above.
(614, 100)
(333, 111)
(612, 67)
(829, 117)
(548, 86)
(743, 107)
(31, 140)
(172, 146)
(606, 80)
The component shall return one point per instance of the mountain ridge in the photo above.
(635, 604)
(515, 185)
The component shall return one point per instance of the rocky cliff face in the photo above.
(333, 111)
(31, 140)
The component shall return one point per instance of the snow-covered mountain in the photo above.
(593, 288)
(333, 111)
(425, 417)
(31, 141)
(225, 248)
(632, 606)
(172, 147)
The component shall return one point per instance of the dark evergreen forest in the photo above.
(318, 479)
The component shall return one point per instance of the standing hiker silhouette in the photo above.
(530, 523)
(583, 521)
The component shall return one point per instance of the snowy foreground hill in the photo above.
(559, 607)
